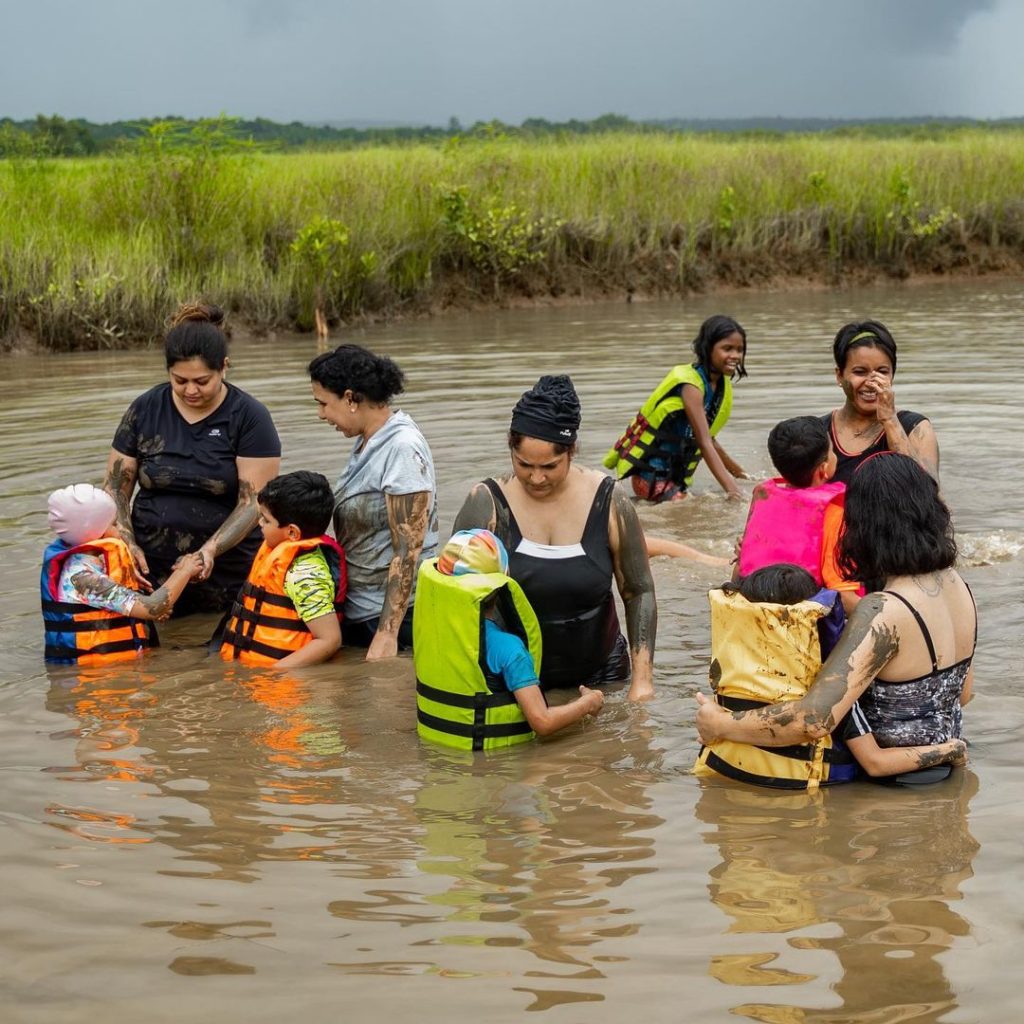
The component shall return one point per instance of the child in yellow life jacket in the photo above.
(95, 609)
(677, 426)
(477, 685)
(770, 633)
(288, 612)
(797, 516)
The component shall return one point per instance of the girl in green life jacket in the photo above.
(676, 427)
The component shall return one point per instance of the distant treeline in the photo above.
(57, 136)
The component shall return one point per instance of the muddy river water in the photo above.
(181, 843)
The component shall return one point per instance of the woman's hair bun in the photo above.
(197, 312)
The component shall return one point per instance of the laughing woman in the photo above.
(865, 357)
(200, 449)
(385, 515)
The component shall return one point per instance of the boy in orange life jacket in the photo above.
(797, 516)
(288, 613)
(94, 608)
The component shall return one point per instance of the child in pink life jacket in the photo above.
(94, 608)
(796, 517)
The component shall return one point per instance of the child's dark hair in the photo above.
(894, 523)
(861, 334)
(301, 499)
(781, 583)
(713, 330)
(797, 447)
(354, 368)
(197, 332)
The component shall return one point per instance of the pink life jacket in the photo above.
(787, 524)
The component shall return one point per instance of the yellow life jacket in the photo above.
(264, 626)
(765, 654)
(647, 436)
(80, 634)
(455, 705)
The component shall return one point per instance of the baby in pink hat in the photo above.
(95, 605)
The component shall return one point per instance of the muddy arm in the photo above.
(868, 643)
(636, 587)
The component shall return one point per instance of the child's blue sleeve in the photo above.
(508, 658)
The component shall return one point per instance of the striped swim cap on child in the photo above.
(80, 513)
(472, 551)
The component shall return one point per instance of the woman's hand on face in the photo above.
(885, 407)
(710, 720)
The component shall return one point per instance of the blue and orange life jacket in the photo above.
(264, 626)
(76, 633)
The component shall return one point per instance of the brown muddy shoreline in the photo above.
(461, 294)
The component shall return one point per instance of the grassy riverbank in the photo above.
(95, 252)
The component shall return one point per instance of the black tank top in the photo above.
(569, 586)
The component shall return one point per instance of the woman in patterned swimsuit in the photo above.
(906, 654)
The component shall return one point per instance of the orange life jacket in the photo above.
(264, 626)
(80, 634)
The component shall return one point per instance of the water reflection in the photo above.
(868, 874)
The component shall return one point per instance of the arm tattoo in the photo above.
(120, 484)
(240, 522)
(408, 515)
(866, 646)
(633, 575)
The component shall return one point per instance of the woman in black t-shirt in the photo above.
(200, 450)
(865, 356)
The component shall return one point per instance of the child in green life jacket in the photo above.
(476, 649)
(676, 427)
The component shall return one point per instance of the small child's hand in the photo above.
(594, 699)
(192, 563)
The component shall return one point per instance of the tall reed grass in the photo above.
(95, 252)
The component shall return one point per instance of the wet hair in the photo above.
(895, 523)
(797, 447)
(196, 331)
(301, 499)
(863, 334)
(354, 368)
(781, 583)
(713, 330)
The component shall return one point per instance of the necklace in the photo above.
(872, 428)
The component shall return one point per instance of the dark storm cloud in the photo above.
(423, 60)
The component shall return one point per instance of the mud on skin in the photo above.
(633, 575)
(408, 515)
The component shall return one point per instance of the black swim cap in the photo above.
(549, 411)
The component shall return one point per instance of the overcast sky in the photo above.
(423, 61)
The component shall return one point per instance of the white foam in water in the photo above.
(987, 549)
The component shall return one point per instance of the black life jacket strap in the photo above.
(732, 772)
(481, 701)
(113, 647)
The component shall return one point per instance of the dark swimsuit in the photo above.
(847, 462)
(913, 712)
(569, 586)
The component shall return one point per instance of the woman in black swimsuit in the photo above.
(867, 423)
(568, 532)
(906, 654)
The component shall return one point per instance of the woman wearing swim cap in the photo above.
(867, 423)
(200, 450)
(568, 533)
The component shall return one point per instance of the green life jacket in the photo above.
(455, 705)
(647, 435)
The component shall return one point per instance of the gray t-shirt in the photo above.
(395, 460)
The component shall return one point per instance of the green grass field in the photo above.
(95, 252)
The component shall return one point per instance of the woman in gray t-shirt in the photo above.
(385, 515)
